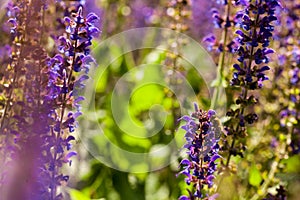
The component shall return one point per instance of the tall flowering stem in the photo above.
(63, 87)
(255, 22)
(202, 136)
(178, 12)
(41, 89)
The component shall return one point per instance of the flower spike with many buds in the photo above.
(256, 30)
(202, 136)
(37, 124)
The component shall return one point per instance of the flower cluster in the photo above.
(202, 136)
(222, 20)
(40, 90)
(256, 30)
(63, 87)
(254, 38)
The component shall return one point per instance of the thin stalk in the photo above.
(173, 79)
(221, 63)
(40, 61)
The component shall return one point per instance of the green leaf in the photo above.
(292, 164)
(101, 80)
(254, 176)
(116, 52)
(77, 195)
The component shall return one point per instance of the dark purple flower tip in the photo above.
(223, 2)
(215, 157)
(211, 113)
(268, 51)
(198, 194)
(69, 155)
(214, 11)
(70, 138)
(239, 32)
(264, 68)
(65, 178)
(237, 67)
(210, 178)
(185, 162)
(92, 18)
(241, 2)
(77, 67)
(78, 99)
(210, 38)
(59, 58)
(196, 107)
(63, 40)
(249, 78)
(71, 130)
(88, 59)
(68, 20)
(93, 31)
(184, 198)
(185, 118)
(13, 22)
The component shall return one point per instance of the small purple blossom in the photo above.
(202, 136)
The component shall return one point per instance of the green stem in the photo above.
(221, 63)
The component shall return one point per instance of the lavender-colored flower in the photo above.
(254, 37)
(202, 136)
(62, 87)
(35, 125)
(256, 30)
(222, 19)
